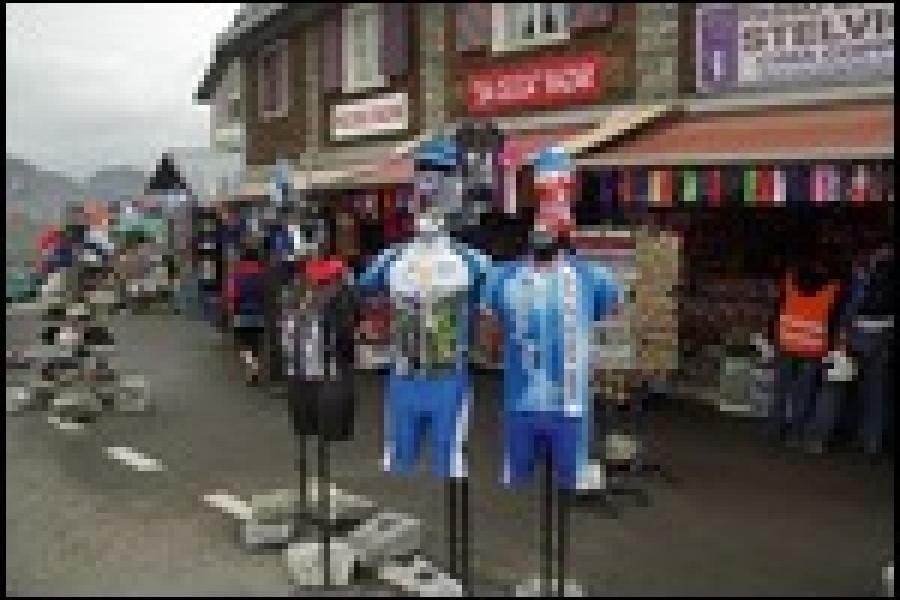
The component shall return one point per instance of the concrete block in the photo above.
(417, 575)
(533, 588)
(383, 536)
(887, 580)
(19, 398)
(305, 566)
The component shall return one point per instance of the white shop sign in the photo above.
(750, 45)
(380, 115)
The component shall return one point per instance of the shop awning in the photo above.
(859, 131)
(519, 147)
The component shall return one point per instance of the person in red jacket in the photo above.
(244, 299)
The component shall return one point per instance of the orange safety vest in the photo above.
(803, 323)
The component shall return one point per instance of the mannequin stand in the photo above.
(545, 581)
(324, 499)
(456, 499)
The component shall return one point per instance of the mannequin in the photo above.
(321, 390)
(546, 302)
(433, 281)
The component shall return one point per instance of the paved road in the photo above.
(741, 521)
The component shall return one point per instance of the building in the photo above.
(697, 119)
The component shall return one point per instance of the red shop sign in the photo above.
(546, 81)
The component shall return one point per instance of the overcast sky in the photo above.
(92, 85)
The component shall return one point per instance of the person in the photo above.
(244, 297)
(804, 411)
(866, 324)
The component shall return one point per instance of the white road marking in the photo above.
(134, 459)
(229, 503)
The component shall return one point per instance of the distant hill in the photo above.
(37, 192)
(115, 183)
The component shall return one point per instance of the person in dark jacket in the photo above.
(867, 323)
(245, 298)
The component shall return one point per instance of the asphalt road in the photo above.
(741, 520)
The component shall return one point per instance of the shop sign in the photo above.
(766, 45)
(546, 81)
(388, 113)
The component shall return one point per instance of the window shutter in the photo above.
(331, 51)
(473, 25)
(589, 14)
(394, 47)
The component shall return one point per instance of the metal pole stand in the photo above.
(456, 511)
(543, 585)
(324, 512)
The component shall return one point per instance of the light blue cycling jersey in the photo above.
(546, 314)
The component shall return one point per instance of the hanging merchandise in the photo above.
(640, 186)
(713, 186)
(764, 185)
(749, 185)
(689, 186)
(797, 184)
(666, 189)
(779, 189)
(859, 184)
(626, 189)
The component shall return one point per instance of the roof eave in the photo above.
(234, 44)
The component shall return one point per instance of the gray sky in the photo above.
(92, 85)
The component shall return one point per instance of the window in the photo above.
(362, 36)
(529, 23)
(233, 108)
(273, 80)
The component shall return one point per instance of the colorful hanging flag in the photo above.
(689, 186)
(749, 185)
(661, 190)
(819, 190)
(764, 185)
(798, 184)
(714, 186)
(625, 185)
(860, 188)
(640, 182)
(779, 189)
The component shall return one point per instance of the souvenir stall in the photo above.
(735, 225)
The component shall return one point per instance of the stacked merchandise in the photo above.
(209, 257)
(721, 318)
(641, 342)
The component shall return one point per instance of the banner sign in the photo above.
(781, 44)
(379, 115)
(545, 81)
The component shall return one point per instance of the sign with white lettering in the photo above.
(546, 81)
(388, 113)
(765, 45)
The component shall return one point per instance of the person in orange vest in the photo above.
(805, 412)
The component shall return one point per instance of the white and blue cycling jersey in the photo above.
(547, 313)
(434, 285)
